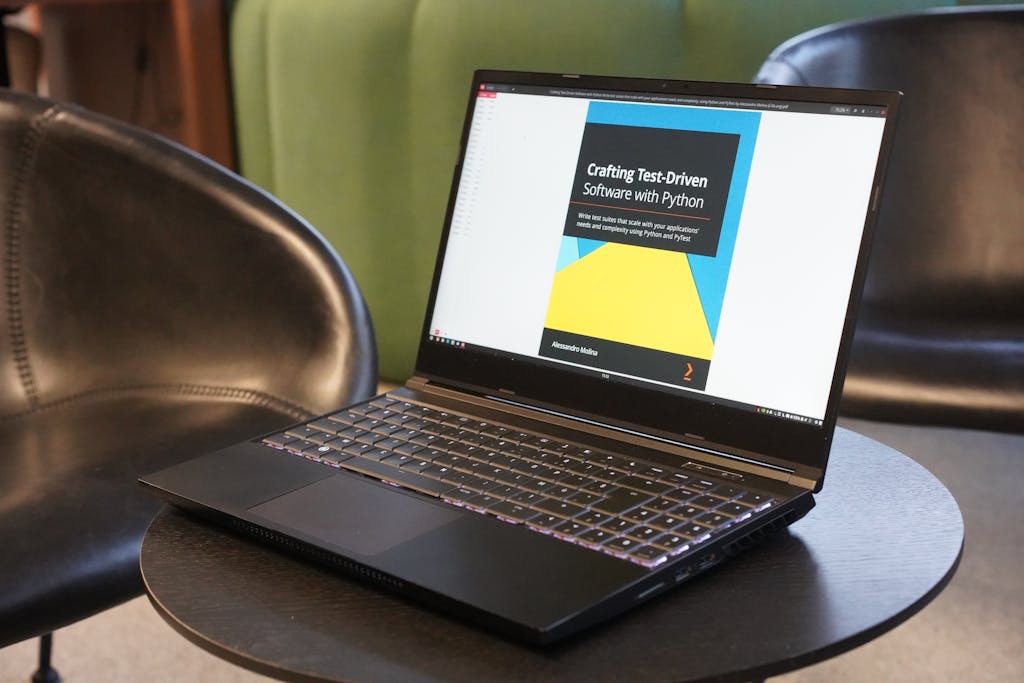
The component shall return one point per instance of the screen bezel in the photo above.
(797, 446)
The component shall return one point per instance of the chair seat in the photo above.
(59, 463)
(959, 371)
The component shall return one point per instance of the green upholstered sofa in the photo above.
(350, 111)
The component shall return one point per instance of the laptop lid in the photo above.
(677, 259)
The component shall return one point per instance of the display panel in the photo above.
(692, 246)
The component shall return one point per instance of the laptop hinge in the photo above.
(712, 456)
(802, 482)
(417, 383)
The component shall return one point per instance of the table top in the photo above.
(884, 540)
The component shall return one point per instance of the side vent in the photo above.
(318, 555)
(761, 532)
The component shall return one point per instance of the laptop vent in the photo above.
(319, 555)
(761, 532)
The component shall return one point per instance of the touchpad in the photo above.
(353, 514)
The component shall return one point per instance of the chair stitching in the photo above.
(27, 153)
(248, 396)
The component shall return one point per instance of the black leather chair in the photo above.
(940, 337)
(154, 306)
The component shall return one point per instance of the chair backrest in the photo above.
(132, 264)
(941, 337)
(351, 111)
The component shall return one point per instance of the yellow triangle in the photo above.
(632, 295)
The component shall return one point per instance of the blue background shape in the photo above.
(710, 273)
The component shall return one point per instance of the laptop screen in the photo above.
(693, 245)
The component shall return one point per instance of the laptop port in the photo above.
(707, 561)
(684, 573)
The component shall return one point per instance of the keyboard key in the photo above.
(755, 499)
(513, 511)
(376, 454)
(600, 487)
(496, 431)
(622, 543)
(559, 507)
(545, 521)
(409, 449)
(670, 541)
(483, 501)
(456, 477)
(692, 530)
(586, 469)
(655, 488)
(397, 459)
(571, 528)
(666, 522)
(335, 457)
(346, 417)
(366, 437)
(677, 478)
(460, 494)
(504, 491)
(681, 494)
(303, 431)
(733, 509)
(648, 552)
(357, 448)
(362, 409)
(280, 439)
(593, 517)
(387, 429)
(574, 480)
(561, 492)
(532, 484)
(686, 511)
(478, 483)
(620, 500)
(437, 472)
(417, 465)
(727, 490)
(405, 434)
(584, 498)
(660, 504)
(528, 498)
(388, 444)
(618, 525)
(640, 515)
(652, 472)
(712, 519)
(596, 536)
(706, 501)
(644, 533)
(326, 425)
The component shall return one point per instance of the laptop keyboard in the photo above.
(631, 509)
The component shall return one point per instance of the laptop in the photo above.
(629, 366)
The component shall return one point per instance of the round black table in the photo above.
(884, 539)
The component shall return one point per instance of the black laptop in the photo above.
(630, 362)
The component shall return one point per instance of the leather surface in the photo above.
(364, 100)
(941, 333)
(155, 306)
